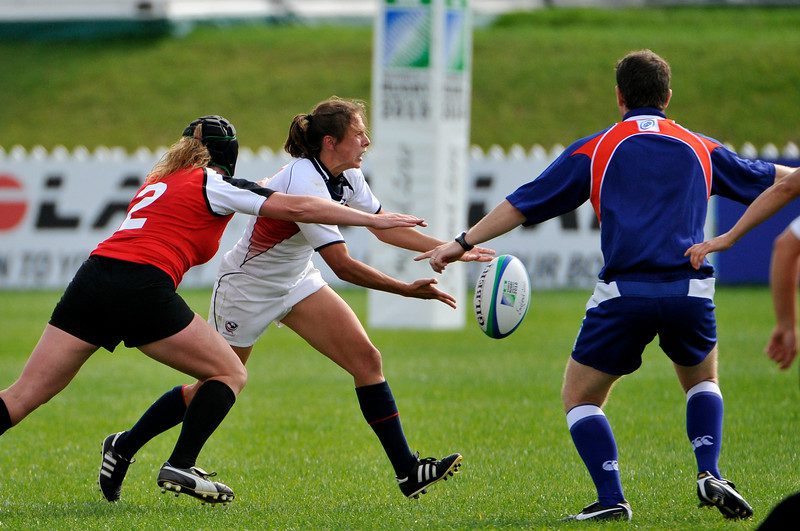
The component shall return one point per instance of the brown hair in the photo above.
(188, 152)
(330, 117)
(643, 79)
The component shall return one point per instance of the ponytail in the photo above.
(331, 117)
(297, 144)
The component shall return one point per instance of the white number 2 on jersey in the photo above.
(137, 223)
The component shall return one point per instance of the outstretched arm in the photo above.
(413, 240)
(351, 270)
(773, 199)
(308, 209)
(782, 345)
(500, 220)
(782, 171)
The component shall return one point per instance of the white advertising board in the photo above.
(55, 207)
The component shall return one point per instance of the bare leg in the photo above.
(199, 351)
(190, 390)
(704, 371)
(53, 363)
(585, 385)
(330, 326)
(584, 393)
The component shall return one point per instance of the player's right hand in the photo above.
(425, 288)
(782, 346)
(698, 251)
(391, 220)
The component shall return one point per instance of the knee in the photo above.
(239, 379)
(572, 396)
(369, 366)
(234, 377)
(568, 398)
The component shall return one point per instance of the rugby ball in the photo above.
(502, 296)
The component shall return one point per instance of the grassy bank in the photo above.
(542, 77)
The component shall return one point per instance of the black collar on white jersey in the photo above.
(335, 184)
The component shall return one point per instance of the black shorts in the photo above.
(111, 300)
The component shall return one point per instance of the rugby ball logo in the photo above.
(502, 296)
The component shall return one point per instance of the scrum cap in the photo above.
(219, 136)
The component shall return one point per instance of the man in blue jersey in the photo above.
(649, 181)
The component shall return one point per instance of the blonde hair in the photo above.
(188, 152)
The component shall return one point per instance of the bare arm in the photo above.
(782, 171)
(413, 240)
(770, 201)
(500, 220)
(782, 345)
(351, 270)
(308, 209)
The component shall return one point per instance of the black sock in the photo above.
(5, 418)
(210, 404)
(380, 411)
(166, 412)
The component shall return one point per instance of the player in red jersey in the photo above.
(126, 291)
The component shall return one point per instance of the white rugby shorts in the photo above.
(242, 306)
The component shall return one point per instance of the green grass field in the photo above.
(299, 456)
(545, 77)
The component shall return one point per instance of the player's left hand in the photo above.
(425, 288)
(478, 254)
(698, 251)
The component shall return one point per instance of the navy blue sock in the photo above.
(380, 411)
(166, 412)
(704, 410)
(208, 408)
(595, 443)
(5, 418)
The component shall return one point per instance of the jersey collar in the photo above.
(641, 112)
(335, 184)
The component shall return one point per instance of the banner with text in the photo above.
(420, 121)
(55, 208)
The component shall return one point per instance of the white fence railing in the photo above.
(56, 205)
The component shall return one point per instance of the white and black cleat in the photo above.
(426, 472)
(194, 482)
(596, 512)
(722, 494)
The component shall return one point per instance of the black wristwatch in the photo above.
(463, 242)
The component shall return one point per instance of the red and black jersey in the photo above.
(177, 222)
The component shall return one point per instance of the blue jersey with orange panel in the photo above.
(649, 181)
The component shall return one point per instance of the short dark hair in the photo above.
(643, 79)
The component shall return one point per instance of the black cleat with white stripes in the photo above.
(426, 472)
(113, 468)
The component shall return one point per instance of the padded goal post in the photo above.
(421, 92)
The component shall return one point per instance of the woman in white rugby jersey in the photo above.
(126, 292)
(269, 277)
